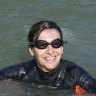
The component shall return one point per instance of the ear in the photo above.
(31, 51)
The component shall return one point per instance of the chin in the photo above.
(52, 67)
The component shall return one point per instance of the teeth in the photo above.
(50, 58)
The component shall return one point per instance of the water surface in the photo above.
(77, 19)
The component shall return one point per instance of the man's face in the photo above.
(48, 58)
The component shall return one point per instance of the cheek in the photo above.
(60, 51)
(38, 52)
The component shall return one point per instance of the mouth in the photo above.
(50, 59)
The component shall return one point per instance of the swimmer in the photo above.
(47, 67)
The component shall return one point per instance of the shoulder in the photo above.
(27, 65)
(73, 67)
(18, 71)
(75, 70)
(68, 63)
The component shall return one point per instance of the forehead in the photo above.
(49, 34)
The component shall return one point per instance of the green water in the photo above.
(77, 19)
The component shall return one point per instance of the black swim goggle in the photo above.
(41, 44)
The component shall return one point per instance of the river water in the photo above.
(77, 19)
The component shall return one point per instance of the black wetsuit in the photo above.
(66, 75)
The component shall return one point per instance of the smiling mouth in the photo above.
(50, 59)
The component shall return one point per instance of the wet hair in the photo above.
(38, 27)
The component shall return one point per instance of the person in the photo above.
(48, 67)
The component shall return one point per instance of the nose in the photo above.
(50, 50)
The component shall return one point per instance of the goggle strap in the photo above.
(64, 42)
(31, 43)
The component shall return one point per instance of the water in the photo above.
(77, 19)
